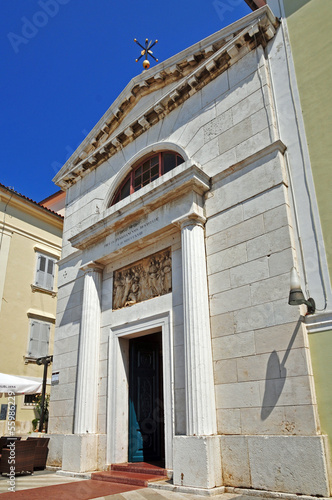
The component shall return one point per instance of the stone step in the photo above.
(141, 468)
(124, 477)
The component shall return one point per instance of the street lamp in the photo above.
(296, 296)
(46, 360)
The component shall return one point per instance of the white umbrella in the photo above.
(19, 385)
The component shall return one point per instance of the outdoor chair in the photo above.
(24, 455)
(5, 440)
(41, 452)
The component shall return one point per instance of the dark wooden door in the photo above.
(145, 400)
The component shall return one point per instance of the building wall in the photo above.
(309, 25)
(233, 105)
(265, 397)
(23, 230)
(310, 31)
(260, 347)
(305, 37)
(320, 348)
(55, 202)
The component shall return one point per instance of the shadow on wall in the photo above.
(276, 374)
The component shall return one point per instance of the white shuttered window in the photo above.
(39, 339)
(45, 272)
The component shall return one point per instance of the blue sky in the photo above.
(64, 62)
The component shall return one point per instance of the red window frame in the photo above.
(144, 173)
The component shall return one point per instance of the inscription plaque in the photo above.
(143, 280)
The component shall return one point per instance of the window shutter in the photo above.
(49, 274)
(39, 339)
(45, 272)
(34, 339)
(41, 267)
(44, 339)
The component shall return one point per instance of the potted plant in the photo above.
(35, 423)
(38, 412)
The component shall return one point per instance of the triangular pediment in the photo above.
(155, 93)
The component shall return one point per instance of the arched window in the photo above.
(147, 171)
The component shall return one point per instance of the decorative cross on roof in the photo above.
(146, 52)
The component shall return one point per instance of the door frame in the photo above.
(118, 388)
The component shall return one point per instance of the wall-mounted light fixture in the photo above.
(296, 296)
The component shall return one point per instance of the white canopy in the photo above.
(19, 385)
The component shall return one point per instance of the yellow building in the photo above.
(30, 245)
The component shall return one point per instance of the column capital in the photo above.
(190, 219)
(92, 266)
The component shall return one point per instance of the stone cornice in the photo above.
(274, 147)
(184, 178)
(92, 267)
(319, 322)
(47, 250)
(189, 72)
(28, 234)
(191, 218)
(42, 315)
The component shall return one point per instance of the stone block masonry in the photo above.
(238, 392)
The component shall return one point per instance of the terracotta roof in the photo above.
(11, 190)
(255, 4)
(51, 196)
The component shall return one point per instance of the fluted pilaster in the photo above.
(200, 398)
(88, 362)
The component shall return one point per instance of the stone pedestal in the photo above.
(88, 363)
(197, 461)
(80, 453)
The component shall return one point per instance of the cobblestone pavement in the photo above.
(37, 480)
(51, 486)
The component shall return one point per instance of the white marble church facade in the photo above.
(199, 258)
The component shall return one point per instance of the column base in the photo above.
(80, 452)
(197, 461)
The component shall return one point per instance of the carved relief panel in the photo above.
(143, 280)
